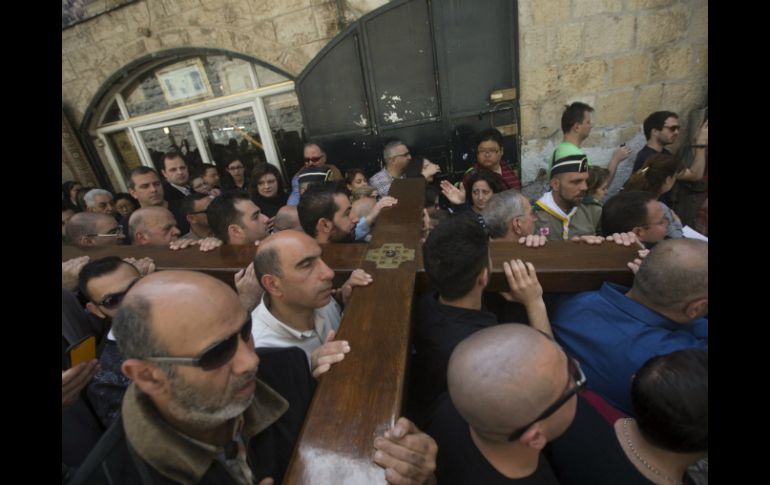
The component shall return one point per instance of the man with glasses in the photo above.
(512, 390)
(661, 129)
(193, 207)
(313, 156)
(396, 155)
(93, 229)
(195, 411)
(104, 282)
(638, 212)
(489, 155)
(614, 330)
(509, 217)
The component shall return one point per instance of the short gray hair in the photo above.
(91, 194)
(387, 152)
(501, 208)
(675, 272)
(82, 224)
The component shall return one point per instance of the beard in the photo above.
(195, 406)
(339, 236)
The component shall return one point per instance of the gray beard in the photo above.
(187, 406)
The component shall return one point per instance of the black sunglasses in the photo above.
(576, 374)
(216, 355)
(113, 300)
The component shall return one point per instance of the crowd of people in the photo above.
(174, 396)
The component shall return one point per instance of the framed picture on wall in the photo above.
(184, 82)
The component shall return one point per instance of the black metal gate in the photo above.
(423, 71)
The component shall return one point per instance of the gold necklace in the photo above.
(644, 462)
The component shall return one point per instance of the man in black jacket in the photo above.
(195, 411)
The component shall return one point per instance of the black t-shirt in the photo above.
(437, 331)
(460, 462)
(589, 453)
(644, 154)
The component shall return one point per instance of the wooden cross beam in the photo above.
(362, 396)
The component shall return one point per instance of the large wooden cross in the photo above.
(362, 396)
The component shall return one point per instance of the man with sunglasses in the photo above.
(104, 282)
(196, 411)
(313, 156)
(397, 157)
(661, 129)
(193, 207)
(512, 389)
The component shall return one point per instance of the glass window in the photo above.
(286, 125)
(177, 137)
(123, 150)
(145, 96)
(228, 75)
(233, 135)
(266, 77)
(113, 113)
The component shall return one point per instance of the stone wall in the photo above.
(284, 33)
(626, 58)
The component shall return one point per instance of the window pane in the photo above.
(266, 77)
(228, 75)
(113, 113)
(172, 137)
(233, 135)
(286, 125)
(124, 151)
(145, 96)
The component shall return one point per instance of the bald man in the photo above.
(286, 218)
(92, 229)
(153, 226)
(297, 308)
(195, 411)
(614, 330)
(511, 391)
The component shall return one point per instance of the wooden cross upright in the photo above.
(362, 396)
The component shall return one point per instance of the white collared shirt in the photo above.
(268, 331)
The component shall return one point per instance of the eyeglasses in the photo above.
(117, 232)
(113, 300)
(197, 212)
(313, 159)
(673, 127)
(576, 374)
(235, 168)
(662, 222)
(216, 355)
(401, 155)
(492, 151)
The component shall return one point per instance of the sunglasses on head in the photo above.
(113, 300)
(216, 355)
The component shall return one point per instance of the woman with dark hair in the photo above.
(657, 176)
(481, 185)
(355, 178)
(69, 191)
(266, 189)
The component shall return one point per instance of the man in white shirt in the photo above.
(297, 309)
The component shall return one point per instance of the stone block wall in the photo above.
(626, 58)
(284, 33)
